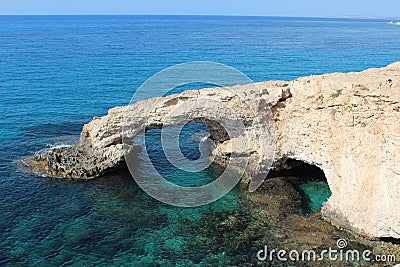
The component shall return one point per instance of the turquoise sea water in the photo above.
(57, 72)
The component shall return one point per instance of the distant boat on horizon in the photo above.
(394, 23)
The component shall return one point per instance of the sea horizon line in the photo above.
(361, 17)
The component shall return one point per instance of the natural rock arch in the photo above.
(346, 124)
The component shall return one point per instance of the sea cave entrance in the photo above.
(309, 180)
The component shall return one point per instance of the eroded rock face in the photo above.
(346, 124)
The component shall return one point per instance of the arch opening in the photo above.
(167, 147)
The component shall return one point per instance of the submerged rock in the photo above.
(278, 196)
(346, 124)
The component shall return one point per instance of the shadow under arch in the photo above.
(309, 180)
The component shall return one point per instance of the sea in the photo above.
(58, 72)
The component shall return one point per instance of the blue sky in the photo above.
(382, 8)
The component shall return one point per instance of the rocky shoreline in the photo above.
(345, 124)
(280, 222)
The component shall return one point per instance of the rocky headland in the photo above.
(346, 124)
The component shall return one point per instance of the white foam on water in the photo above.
(201, 137)
(51, 147)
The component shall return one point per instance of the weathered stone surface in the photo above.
(346, 124)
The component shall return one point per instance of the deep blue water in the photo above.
(57, 72)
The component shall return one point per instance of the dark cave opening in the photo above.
(390, 240)
(309, 180)
(297, 168)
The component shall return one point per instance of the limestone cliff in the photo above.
(346, 124)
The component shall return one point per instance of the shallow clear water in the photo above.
(316, 192)
(57, 72)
